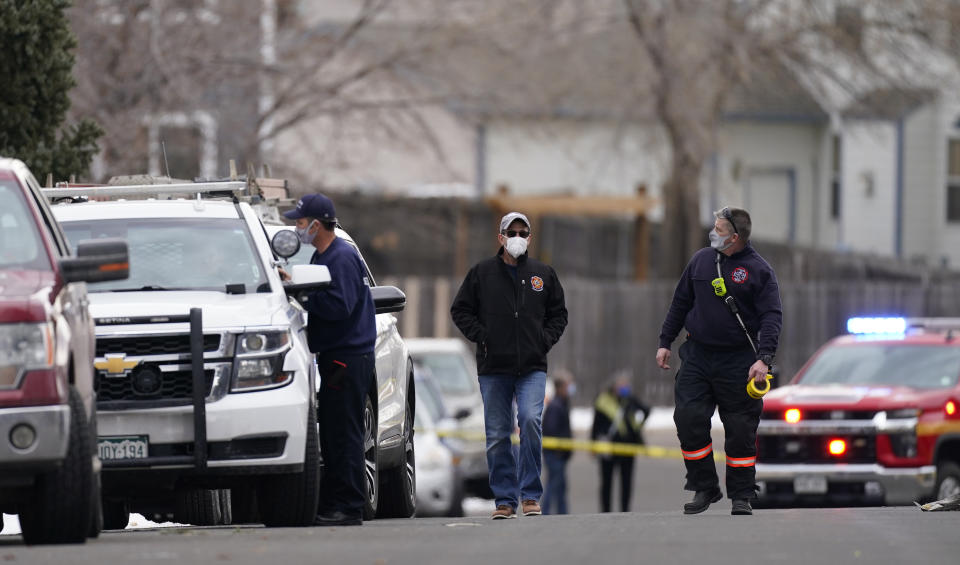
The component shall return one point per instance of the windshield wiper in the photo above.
(144, 287)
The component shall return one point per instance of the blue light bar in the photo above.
(877, 326)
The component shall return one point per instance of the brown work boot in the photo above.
(503, 512)
(531, 508)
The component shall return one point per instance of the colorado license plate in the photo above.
(122, 447)
(810, 484)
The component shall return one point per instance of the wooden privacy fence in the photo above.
(614, 326)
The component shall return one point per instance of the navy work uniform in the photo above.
(342, 331)
(716, 359)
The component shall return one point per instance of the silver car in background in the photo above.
(450, 365)
(439, 484)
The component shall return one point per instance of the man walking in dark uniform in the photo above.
(342, 331)
(512, 307)
(720, 356)
(556, 423)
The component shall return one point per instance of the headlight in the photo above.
(24, 347)
(434, 458)
(262, 343)
(260, 374)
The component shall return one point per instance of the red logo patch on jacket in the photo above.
(739, 275)
(536, 283)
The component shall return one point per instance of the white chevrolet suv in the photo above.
(204, 382)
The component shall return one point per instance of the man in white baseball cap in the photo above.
(512, 307)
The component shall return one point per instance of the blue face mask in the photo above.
(571, 389)
(623, 391)
(304, 234)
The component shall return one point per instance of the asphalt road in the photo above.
(655, 531)
(872, 535)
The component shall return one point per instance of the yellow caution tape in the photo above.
(590, 446)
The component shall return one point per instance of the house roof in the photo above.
(888, 103)
(773, 92)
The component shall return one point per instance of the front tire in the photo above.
(60, 511)
(398, 492)
(291, 499)
(371, 460)
(948, 480)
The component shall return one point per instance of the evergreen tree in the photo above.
(36, 59)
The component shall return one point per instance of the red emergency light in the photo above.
(792, 416)
(837, 447)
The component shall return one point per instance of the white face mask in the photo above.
(304, 234)
(716, 241)
(516, 246)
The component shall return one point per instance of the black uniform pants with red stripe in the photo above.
(711, 378)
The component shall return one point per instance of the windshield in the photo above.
(449, 371)
(917, 366)
(429, 395)
(20, 244)
(179, 253)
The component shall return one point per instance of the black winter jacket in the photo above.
(514, 322)
(749, 279)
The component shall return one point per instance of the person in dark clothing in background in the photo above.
(512, 307)
(342, 331)
(720, 356)
(556, 423)
(618, 417)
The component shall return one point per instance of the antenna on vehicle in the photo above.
(163, 147)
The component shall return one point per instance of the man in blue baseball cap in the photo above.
(341, 330)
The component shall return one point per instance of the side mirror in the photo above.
(97, 260)
(305, 279)
(285, 243)
(388, 299)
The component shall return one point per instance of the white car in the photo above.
(439, 486)
(391, 471)
(450, 365)
(203, 277)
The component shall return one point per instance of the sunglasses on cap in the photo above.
(728, 216)
(514, 233)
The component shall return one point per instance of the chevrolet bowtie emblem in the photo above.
(116, 364)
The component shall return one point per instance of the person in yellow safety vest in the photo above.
(618, 417)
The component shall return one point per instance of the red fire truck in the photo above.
(873, 418)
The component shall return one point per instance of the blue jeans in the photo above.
(513, 475)
(555, 499)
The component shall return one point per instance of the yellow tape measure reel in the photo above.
(756, 392)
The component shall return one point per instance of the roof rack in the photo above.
(141, 190)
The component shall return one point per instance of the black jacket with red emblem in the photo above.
(513, 320)
(749, 279)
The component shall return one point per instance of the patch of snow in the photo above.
(11, 524)
(473, 506)
(139, 522)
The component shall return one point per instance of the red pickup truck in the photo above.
(49, 471)
(872, 418)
